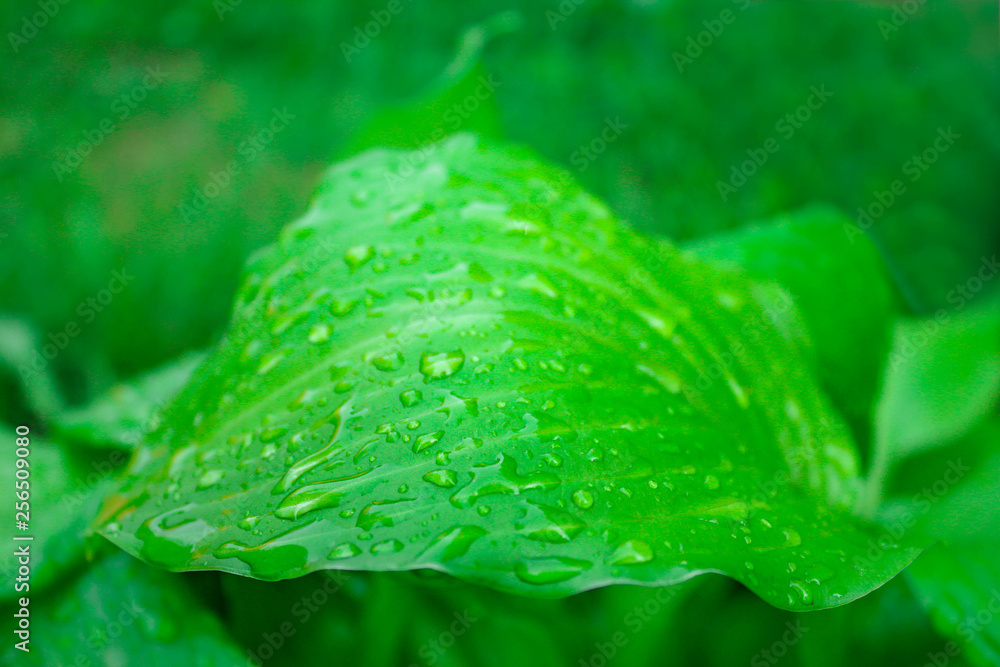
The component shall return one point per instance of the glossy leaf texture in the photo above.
(469, 365)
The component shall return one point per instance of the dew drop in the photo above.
(320, 333)
(411, 397)
(632, 552)
(273, 433)
(454, 542)
(345, 550)
(554, 460)
(270, 360)
(357, 256)
(740, 393)
(444, 478)
(387, 547)
(538, 284)
(478, 273)
(802, 591)
(583, 499)
(249, 523)
(390, 361)
(792, 537)
(550, 570)
(210, 479)
(426, 440)
(309, 498)
(342, 307)
(441, 365)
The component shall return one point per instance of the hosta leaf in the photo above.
(122, 612)
(840, 285)
(478, 370)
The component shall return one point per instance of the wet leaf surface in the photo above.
(464, 362)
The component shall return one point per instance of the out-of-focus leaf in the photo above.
(301, 621)
(640, 624)
(469, 625)
(121, 416)
(840, 287)
(889, 627)
(960, 587)
(63, 502)
(416, 619)
(21, 353)
(942, 378)
(969, 513)
(949, 493)
(481, 371)
(122, 612)
(462, 99)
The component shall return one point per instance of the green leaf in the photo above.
(890, 627)
(481, 371)
(122, 612)
(323, 611)
(19, 346)
(463, 97)
(120, 417)
(960, 587)
(949, 493)
(63, 502)
(840, 287)
(942, 379)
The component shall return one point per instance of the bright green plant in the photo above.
(463, 414)
(459, 361)
(480, 371)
